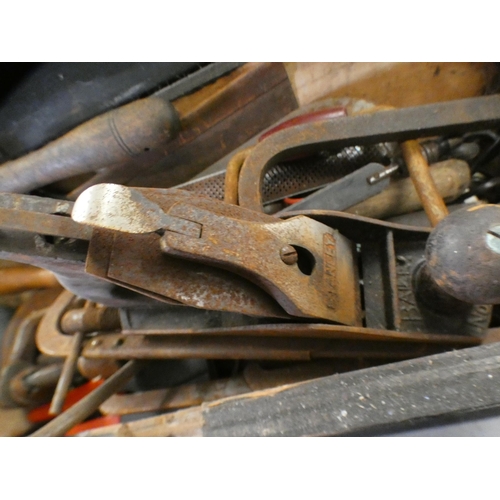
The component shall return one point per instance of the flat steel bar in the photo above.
(40, 223)
(194, 346)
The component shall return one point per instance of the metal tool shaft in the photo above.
(89, 404)
(66, 375)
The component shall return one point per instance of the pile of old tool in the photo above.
(306, 254)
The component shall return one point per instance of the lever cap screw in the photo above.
(289, 255)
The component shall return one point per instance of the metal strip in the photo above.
(453, 117)
(195, 80)
(39, 223)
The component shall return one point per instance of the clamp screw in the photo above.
(289, 255)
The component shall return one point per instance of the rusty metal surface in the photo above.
(390, 265)
(26, 350)
(272, 341)
(211, 185)
(19, 355)
(44, 376)
(136, 262)
(119, 208)
(392, 125)
(24, 340)
(61, 256)
(49, 338)
(25, 384)
(39, 216)
(291, 178)
(367, 277)
(201, 346)
(329, 290)
(312, 116)
(38, 223)
(310, 288)
(92, 368)
(90, 319)
(311, 330)
(78, 322)
(359, 228)
(37, 204)
(9, 373)
(232, 176)
(43, 235)
(39, 231)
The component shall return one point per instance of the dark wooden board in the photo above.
(215, 120)
(433, 389)
(398, 395)
(222, 138)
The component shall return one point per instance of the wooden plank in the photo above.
(391, 397)
(219, 140)
(396, 84)
(214, 121)
(451, 177)
(183, 423)
(216, 102)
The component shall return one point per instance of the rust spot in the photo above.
(330, 263)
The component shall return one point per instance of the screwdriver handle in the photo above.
(117, 137)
